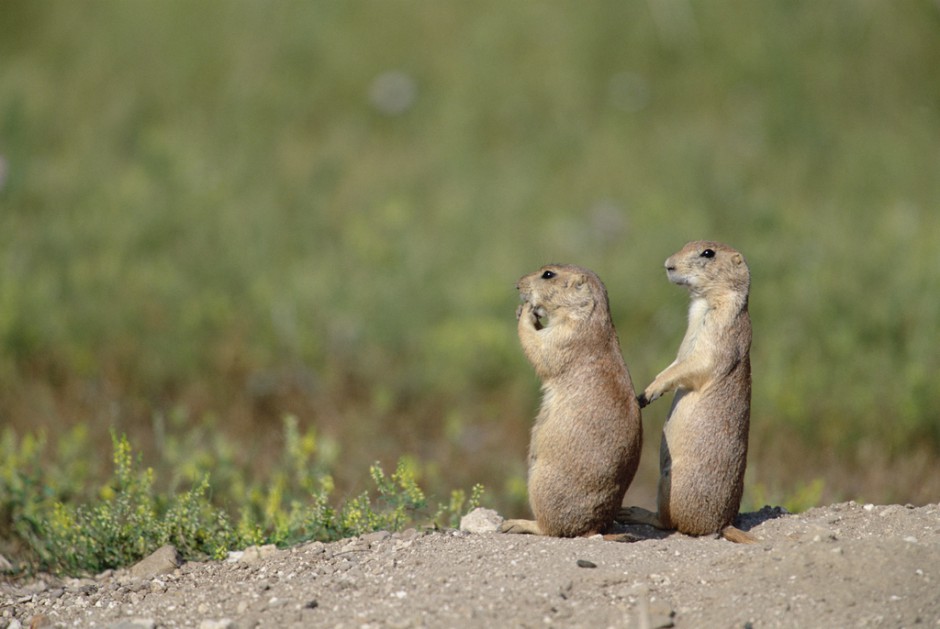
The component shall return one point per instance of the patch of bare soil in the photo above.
(845, 565)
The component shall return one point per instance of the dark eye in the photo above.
(547, 275)
(708, 253)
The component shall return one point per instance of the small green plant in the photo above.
(71, 530)
(804, 496)
(127, 521)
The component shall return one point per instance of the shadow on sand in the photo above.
(744, 521)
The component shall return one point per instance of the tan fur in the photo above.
(704, 448)
(586, 439)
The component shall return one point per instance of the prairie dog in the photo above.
(586, 440)
(704, 445)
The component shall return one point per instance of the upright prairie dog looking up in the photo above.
(586, 440)
(704, 446)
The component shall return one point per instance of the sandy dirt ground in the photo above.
(844, 565)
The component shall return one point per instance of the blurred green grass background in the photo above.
(213, 214)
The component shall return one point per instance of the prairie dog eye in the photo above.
(547, 275)
(708, 253)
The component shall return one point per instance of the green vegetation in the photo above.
(216, 214)
(61, 524)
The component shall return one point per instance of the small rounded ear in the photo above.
(582, 281)
(582, 284)
(737, 258)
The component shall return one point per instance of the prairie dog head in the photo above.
(558, 292)
(706, 267)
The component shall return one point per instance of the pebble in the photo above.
(408, 534)
(40, 621)
(134, 623)
(253, 554)
(481, 521)
(224, 623)
(376, 537)
(164, 560)
(354, 545)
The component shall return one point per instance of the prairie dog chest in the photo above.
(698, 311)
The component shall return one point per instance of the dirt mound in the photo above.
(841, 565)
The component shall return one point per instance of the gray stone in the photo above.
(224, 623)
(134, 623)
(164, 560)
(376, 537)
(254, 554)
(481, 520)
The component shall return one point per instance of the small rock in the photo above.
(134, 623)
(869, 507)
(88, 589)
(311, 604)
(224, 623)
(40, 621)
(312, 548)
(254, 554)
(376, 537)
(584, 563)
(481, 521)
(164, 560)
(354, 545)
(37, 587)
(408, 534)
